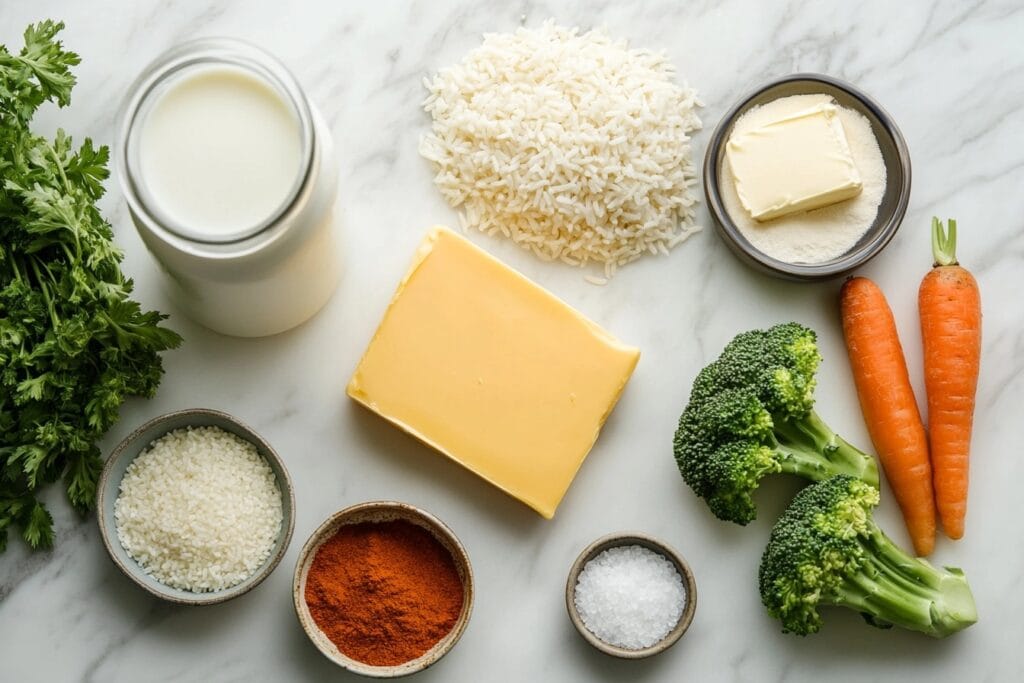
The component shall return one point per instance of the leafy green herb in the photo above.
(73, 345)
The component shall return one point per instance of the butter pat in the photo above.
(493, 371)
(796, 163)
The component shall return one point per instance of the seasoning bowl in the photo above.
(655, 545)
(383, 511)
(891, 210)
(138, 441)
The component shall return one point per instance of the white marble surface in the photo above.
(952, 75)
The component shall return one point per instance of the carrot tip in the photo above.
(953, 530)
(924, 547)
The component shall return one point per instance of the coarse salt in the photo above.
(630, 597)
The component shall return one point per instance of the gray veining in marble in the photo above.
(952, 75)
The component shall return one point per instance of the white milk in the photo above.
(220, 151)
(230, 177)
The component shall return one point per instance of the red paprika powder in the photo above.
(384, 592)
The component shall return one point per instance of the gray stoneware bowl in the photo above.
(651, 543)
(139, 440)
(890, 211)
(383, 511)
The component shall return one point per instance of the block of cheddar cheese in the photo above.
(492, 370)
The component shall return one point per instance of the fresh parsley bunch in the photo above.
(73, 345)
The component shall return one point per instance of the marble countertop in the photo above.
(950, 73)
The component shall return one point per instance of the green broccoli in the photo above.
(751, 414)
(827, 550)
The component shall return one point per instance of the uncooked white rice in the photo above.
(574, 146)
(199, 510)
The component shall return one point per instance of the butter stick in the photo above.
(796, 163)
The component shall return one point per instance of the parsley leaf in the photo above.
(73, 345)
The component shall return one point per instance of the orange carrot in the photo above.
(890, 410)
(950, 307)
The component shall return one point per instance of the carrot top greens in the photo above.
(944, 243)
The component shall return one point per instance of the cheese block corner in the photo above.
(492, 370)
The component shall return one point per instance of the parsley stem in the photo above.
(59, 163)
(45, 291)
(14, 266)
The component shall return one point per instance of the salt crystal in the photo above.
(630, 596)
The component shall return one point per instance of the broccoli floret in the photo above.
(780, 364)
(751, 414)
(827, 550)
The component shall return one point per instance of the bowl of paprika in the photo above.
(383, 589)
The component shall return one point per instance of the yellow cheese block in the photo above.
(492, 370)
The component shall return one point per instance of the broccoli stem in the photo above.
(811, 449)
(894, 588)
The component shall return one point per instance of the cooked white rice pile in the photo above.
(199, 510)
(573, 146)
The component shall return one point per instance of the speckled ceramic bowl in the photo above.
(627, 539)
(139, 440)
(383, 511)
(890, 211)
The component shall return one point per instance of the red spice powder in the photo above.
(384, 592)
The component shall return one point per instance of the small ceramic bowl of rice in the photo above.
(195, 507)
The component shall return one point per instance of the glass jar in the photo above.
(253, 272)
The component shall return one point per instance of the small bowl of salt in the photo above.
(630, 595)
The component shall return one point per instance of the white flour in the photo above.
(823, 234)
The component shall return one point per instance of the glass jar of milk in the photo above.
(230, 179)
